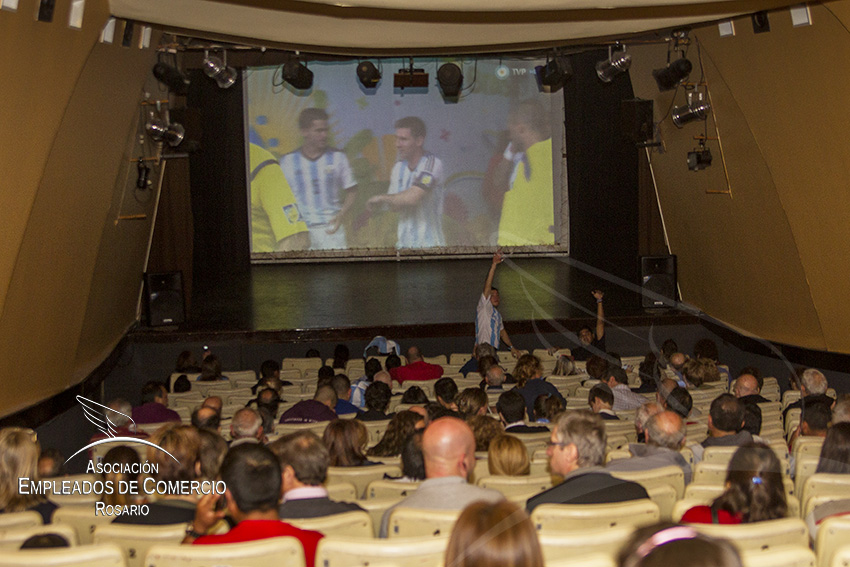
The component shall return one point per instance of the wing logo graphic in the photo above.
(99, 416)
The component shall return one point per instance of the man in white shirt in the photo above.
(322, 181)
(416, 188)
(489, 327)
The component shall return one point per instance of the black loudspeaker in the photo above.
(658, 277)
(164, 295)
(638, 123)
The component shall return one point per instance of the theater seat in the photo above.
(376, 508)
(588, 560)
(82, 519)
(634, 513)
(108, 555)
(390, 489)
(76, 499)
(557, 545)
(822, 484)
(761, 535)
(347, 524)
(360, 477)
(514, 485)
(136, 540)
(27, 519)
(416, 522)
(260, 553)
(11, 540)
(400, 552)
(663, 476)
(841, 557)
(833, 534)
(790, 556)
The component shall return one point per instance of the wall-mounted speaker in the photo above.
(658, 278)
(164, 298)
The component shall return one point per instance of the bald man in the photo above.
(677, 364)
(747, 390)
(448, 448)
(665, 435)
(416, 369)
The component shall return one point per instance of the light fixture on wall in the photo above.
(217, 69)
(297, 74)
(669, 77)
(368, 75)
(161, 129)
(695, 109)
(554, 74)
(450, 78)
(172, 78)
(616, 63)
(699, 158)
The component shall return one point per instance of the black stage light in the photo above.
(671, 75)
(298, 75)
(368, 74)
(699, 159)
(450, 78)
(555, 73)
(172, 78)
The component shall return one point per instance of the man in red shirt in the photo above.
(416, 369)
(252, 475)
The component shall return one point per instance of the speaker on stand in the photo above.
(658, 278)
(164, 298)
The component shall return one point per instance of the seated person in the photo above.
(472, 401)
(20, 450)
(511, 410)
(666, 544)
(577, 452)
(416, 369)
(154, 405)
(591, 344)
(377, 399)
(342, 386)
(474, 364)
(493, 535)
(246, 427)
(494, 377)
(320, 408)
(206, 418)
(304, 460)
(346, 441)
(600, 399)
(530, 384)
(211, 369)
(508, 456)
(445, 390)
(665, 436)
(400, 427)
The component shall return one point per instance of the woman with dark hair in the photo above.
(667, 544)
(186, 363)
(754, 490)
(835, 452)
(125, 457)
(377, 399)
(341, 355)
(414, 395)
(400, 427)
(412, 460)
(528, 372)
(211, 369)
(346, 442)
(494, 535)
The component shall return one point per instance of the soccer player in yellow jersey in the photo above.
(276, 222)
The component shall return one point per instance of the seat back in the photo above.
(376, 508)
(376, 430)
(82, 519)
(82, 498)
(556, 545)
(515, 485)
(760, 535)
(841, 558)
(416, 522)
(355, 524)
(663, 476)
(822, 484)
(664, 495)
(390, 489)
(341, 491)
(26, 519)
(401, 552)
(11, 540)
(108, 555)
(301, 364)
(360, 477)
(787, 556)
(135, 540)
(833, 534)
(719, 455)
(634, 513)
(259, 553)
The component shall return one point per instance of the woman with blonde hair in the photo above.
(485, 429)
(528, 372)
(507, 456)
(19, 451)
(494, 535)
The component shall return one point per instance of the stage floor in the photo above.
(349, 295)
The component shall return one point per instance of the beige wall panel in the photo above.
(49, 295)
(42, 62)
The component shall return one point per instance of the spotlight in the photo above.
(609, 68)
(215, 68)
(699, 159)
(297, 74)
(450, 78)
(368, 74)
(554, 74)
(671, 75)
(693, 110)
(410, 78)
(172, 78)
(161, 131)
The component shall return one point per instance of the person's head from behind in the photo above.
(484, 430)
(414, 354)
(412, 459)
(564, 366)
(600, 397)
(45, 541)
(813, 382)
(210, 368)
(678, 361)
(754, 487)
(414, 395)
(51, 463)
(186, 362)
(699, 371)
(182, 384)
(377, 397)
(445, 389)
(312, 353)
(372, 367)
(668, 545)
(553, 408)
(448, 447)
(252, 475)
(341, 354)
(324, 375)
(746, 385)
(596, 367)
(540, 407)
(400, 427)
(508, 456)
(528, 367)
(183, 443)
(269, 398)
(643, 413)
(270, 369)
(206, 418)
(485, 349)
(392, 361)
(835, 452)
(472, 401)
(706, 348)
(486, 363)
(493, 535)
(213, 447)
(346, 442)
(511, 407)
(668, 347)
(124, 457)
(326, 395)
(726, 414)
(342, 386)
(154, 391)
(19, 451)
(303, 458)
(577, 441)
(246, 424)
(667, 430)
(495, 375)
(841, 409)
(815, 419)
(680, 401)
(384, 377)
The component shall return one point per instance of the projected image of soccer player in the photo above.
(528, 212)
(321, 180)
(416, 188)
(276, 223)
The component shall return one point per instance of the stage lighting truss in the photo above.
(617, 62)
(696, 109)
(216, 68)
(368, 74)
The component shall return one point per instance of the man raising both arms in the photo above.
(321, 180)
(416, 188)
(489, 327)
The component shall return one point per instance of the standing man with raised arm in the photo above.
(489, 327)
(591, 344)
